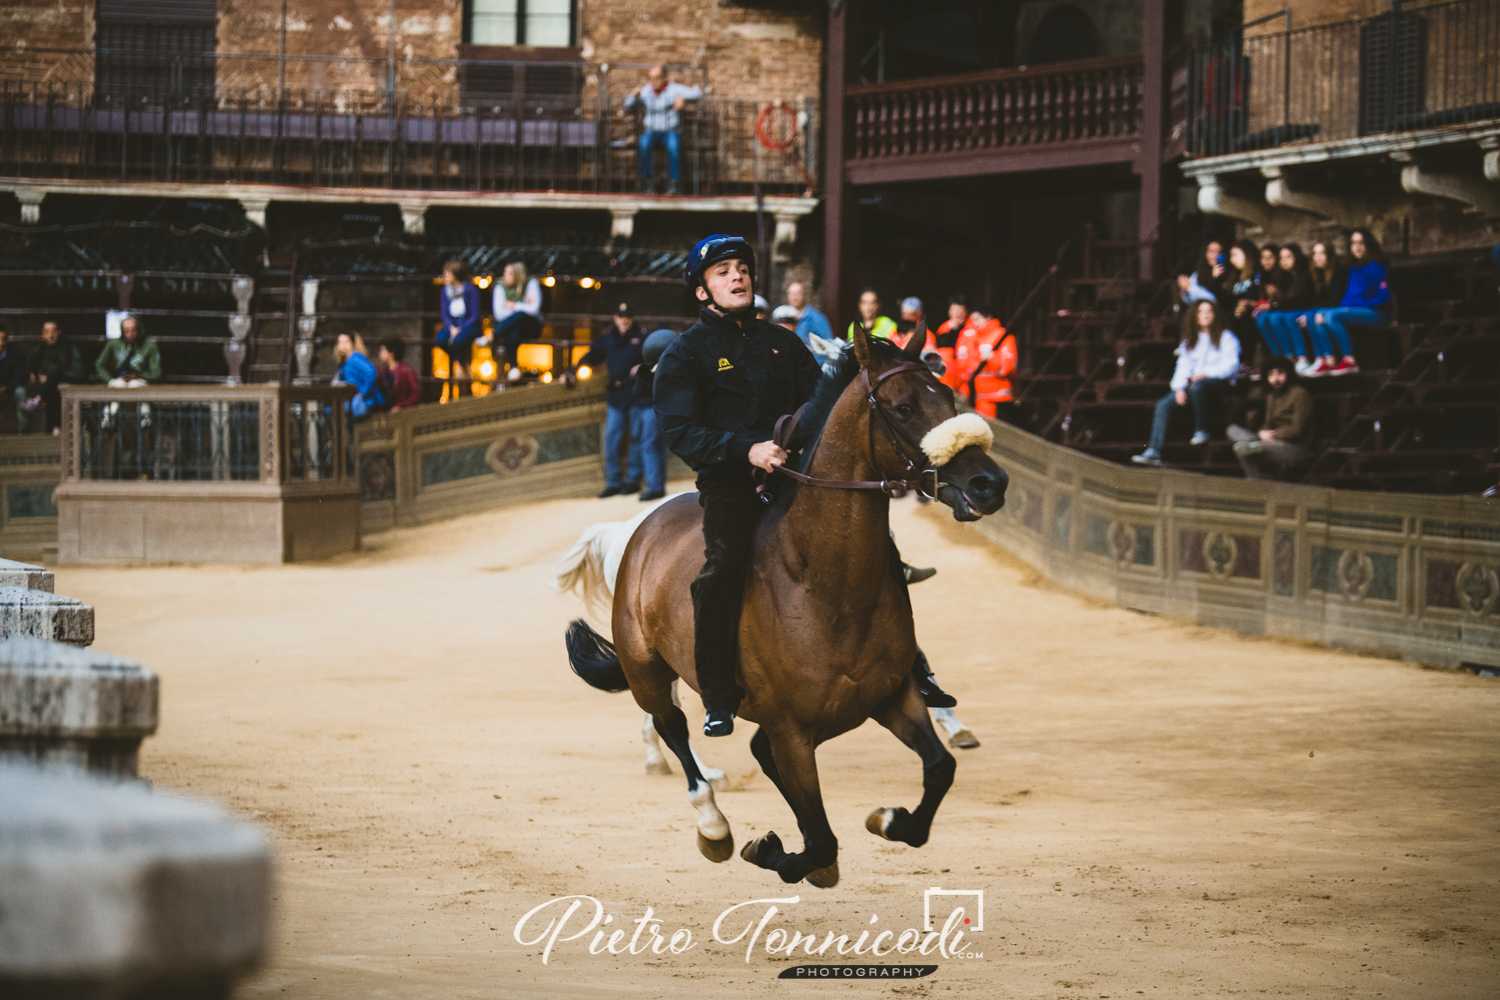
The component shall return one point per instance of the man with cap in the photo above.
(619, 349)
(719, 390)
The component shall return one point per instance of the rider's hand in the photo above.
(766, 455)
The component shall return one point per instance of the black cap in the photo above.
(624, 310)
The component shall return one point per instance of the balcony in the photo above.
(1066, 114)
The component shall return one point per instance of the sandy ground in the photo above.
(1158, 809)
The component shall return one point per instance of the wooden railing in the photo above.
(1061, 103)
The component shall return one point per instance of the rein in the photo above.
(786, 427)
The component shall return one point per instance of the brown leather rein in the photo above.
(786, 427)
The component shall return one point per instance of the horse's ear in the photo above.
(918, 340)
(861, 340)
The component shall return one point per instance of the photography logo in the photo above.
(977, 894)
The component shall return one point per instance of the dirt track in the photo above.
(1158, 809)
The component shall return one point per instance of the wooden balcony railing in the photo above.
(1074, 102)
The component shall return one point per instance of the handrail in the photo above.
(995, 75)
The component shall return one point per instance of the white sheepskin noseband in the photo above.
(954, 435)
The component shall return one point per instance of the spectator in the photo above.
(397, 383)
(1207, 281)
(356, 369)
(1329, 279)
(810, 322)
(911, 315)
(652, 348)
(1241, 286)
(874, 324)
(1270, 261)
(13, 372)
(55, 363)
(762, 307)
(1366, 302)
(462, 322)
(620, 350)
(1284, 440)
(1294, 287)
(785, 317)
(131, 362)
(663, 101)
(944, 340)
(985, 356)
(1207, 359)
(518, 313)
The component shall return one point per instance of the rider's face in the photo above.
(728, 285)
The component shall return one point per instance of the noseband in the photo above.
(787, 426)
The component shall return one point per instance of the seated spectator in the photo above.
(1207, 359)
(397, 383)
(356, 369)
(1284, 440)
(663, 101)
(54, 363)
(1329, 279)
(132, 361)
(1242, 287)
(1294, 296)
(1206, 282)
(462, 322)
(874, 324)
(785, 317)
(1366, 302)
(13, 372)
(518, 313)
(985, 356)
(810, 321)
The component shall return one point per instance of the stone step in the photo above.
(111, 891)
(37, 614)
(61, 706)
(25, 576)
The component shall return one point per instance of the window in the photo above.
(546, 23)
(154, 50)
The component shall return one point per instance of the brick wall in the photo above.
(1307, 13)
(37, 24)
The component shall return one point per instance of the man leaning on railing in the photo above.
(663, 100)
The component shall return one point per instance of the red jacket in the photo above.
(990, 352)
(943, 340)
(400, 385)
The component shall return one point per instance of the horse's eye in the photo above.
(905, 409)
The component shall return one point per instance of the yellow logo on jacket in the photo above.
(724, 365)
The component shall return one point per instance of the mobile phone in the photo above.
(1219, 260)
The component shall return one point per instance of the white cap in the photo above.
(761, 304)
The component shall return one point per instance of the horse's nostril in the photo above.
(989, 486)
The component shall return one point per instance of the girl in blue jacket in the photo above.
(356, 369)
(1366, 302)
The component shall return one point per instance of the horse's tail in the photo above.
(581, 569)
(594, 659)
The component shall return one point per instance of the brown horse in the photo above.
(826, 638)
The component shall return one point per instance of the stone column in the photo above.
(239, 326)
(37, 614)
(25, 576)
(31, 205)
(307, 325)
(255, 210)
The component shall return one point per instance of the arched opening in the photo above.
(1066, 33)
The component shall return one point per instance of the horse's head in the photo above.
(926, 428)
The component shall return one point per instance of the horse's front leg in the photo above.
(791, 764)
(904, 715)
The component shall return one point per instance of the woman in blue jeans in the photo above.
(1294, 299)
(1366, 302)
(462, 322)
(1207, 359)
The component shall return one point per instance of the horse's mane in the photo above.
(830, 387)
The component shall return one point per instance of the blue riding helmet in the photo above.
(711, 250)
(656, 345)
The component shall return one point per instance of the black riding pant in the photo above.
(731, 513)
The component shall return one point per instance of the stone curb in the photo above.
(25, 575)
(38, 614)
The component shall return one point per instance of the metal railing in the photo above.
(215, 441)
(450, 125)
(1065, 102)
(1412, 67)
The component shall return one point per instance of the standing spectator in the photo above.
(1207, 359)
(663, 101)
(462, 321)
(55, 363)
(1366, 302)
(1278, 325)
(397, 383)
(132, 361)
(620, 351)
(518, 313)
(14, 370)
(985, 356)
(944, 340)
(911, 315)
(785, 317)
(874, 324)
(810, 322)
(1284, 440)
(652, 348)
(356, 369)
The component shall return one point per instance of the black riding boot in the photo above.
(730, 514)
(932, 695)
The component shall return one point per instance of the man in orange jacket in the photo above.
(944, 339)
(986, 356)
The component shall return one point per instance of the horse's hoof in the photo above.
(717, 851)
(879, 821)
(658, 767)
(755, 851)
(825, 878)
(963, 740)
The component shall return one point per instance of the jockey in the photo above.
(986, 348)
(719, 390)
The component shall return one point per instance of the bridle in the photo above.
(786, 427)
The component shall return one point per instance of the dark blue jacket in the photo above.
(469, 324)
(620, 353)
(1367, 287)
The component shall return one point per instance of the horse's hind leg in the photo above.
(793, 768)
(656, 763)
(715, 840)
(904, 715)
